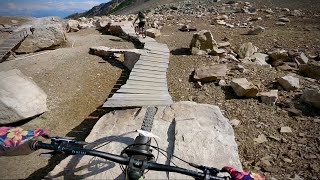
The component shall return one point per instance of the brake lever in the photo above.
(209, 171)
(64, 141)
(49, 154)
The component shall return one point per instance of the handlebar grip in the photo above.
(40, 145)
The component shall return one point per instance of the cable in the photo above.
(110, 140)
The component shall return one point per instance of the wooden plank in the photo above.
(143, 83)
(149, 75)
(141, 91)
(151, 68)
(155, 47)
(4, 51)
(155, 88)
(154, 60)
(158, 56)
(128, 103)
(155, 56)
(148, 79)
(166, 61)
(157, 53)
(163, 50)
(153, 64)
(144, 71)
(149, 63)
(140, 96)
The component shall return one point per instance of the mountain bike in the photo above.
(140, 30)
(136, 157)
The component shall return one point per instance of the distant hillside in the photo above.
(121, 7)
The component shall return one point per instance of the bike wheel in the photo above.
(136, 29)
(144, 34)
(148, 119)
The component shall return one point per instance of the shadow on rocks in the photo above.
(78, 133)
(181, 51)
(306, 109)
(230, 94)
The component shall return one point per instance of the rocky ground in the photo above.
(283, 155)
(77, 83)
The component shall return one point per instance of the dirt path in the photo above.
(76, 83)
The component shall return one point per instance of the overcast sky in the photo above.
(42, 8)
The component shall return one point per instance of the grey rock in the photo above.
(269, 98)
(203, 40)
(196, 51)
(217, 52)
(239, 68)
(153, 32)
(278, 57)
(222, 82)
(20, 97)
(72, 26)
(246, 50)
(261, 59)
(311, 69)
(301, 58)
(47, 34)
(284, 19)
(280, 23)
(210, 73)
(116, 27)
(256, 30)
(312, 96)
(260, 139)
(83, 25)
(224, 44)
(235, 122)
(285, 129)
(289, 83)
(242, 87)
(296, 13)
(176, 125)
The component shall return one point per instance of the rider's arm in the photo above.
(237, 175)
(15, 141)
(135, 20)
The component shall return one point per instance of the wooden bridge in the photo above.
(147, 83)
(9, 44)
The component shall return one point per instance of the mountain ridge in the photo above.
(120, 7)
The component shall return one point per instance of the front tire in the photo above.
(148, 119)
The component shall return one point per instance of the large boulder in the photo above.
(289, 83)
(312, 96)
(72, 26)
(312, 69)
(261, 59)
(116, 27)
(210, 73)
(242, 87)
(153, 32)
(20, 97)
(47, 34)
(246, 50)
(197, 133)
(203, 40)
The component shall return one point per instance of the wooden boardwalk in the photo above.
(9, 44)
(147, 83)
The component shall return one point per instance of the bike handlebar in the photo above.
(122, 160)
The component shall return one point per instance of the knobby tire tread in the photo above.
(148, 119)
